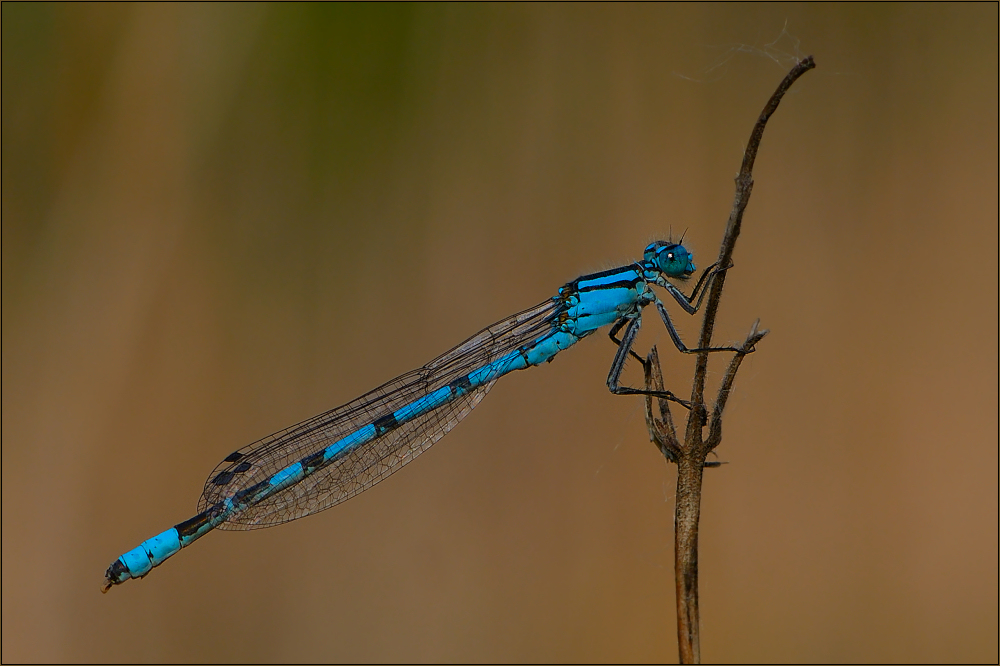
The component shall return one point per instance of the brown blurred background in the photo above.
(220, 220)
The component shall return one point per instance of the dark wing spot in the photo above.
(233, 457)
(222, 478)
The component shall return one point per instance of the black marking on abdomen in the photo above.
(115, 571)
(311, 463)
(385, 424)
(193, 525)
(248, 492)
(460, 385)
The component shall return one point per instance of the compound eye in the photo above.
(670, 256)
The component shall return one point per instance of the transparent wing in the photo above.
(374, 460)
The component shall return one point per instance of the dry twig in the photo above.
(690, 457)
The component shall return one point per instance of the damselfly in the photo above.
(332, 457)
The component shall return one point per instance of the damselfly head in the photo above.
(672, 259)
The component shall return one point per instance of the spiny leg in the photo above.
(700, 289)
(624, 349)
(675, 336)
(709, 273)
(618, 343)
(632, 331)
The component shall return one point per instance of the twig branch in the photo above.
(661, 430)
(744, 186)
(690, 457)
(715, 428)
